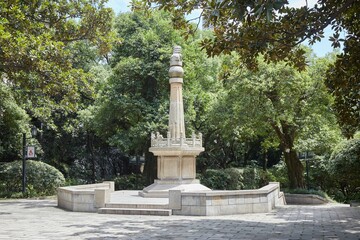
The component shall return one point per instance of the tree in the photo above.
(282, 105)
(344, 168)
(13, 120)
(140, 96)
(35, 47)
(343, 80)
(137, 87)
(275, 30)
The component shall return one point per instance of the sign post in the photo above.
(28, 152)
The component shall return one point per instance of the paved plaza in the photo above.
(41, 219)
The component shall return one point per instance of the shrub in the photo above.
(251, 178)
(41, 178)
(344, 168)
(319, 177)
(130, 182)
(279, 173)
(255, 177)
(222, 179)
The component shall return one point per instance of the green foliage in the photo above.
(271, 28)
(130, 182)
(38, 56)
(344, 168)
(343, 76)
(42, 179)
(13, 122)
(255, 178)
(138, 95)
(319, 176)
(279, 172)
(343, 81)
(141, 96)
(275, 30)
(280, 105)
(251, 177)
(222, 179)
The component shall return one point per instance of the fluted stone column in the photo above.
(176, 154)
(176, 113)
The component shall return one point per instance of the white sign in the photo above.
(30, 152)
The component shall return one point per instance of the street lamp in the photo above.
(33, 134)
(307, 156)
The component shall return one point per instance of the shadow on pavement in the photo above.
(297, 222)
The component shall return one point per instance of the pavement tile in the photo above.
(41, 219)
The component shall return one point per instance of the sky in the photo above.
(320, 48)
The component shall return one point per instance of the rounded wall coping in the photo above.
(85, 188)
(262, 191)
(75, 191)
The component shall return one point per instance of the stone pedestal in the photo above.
(176, 170)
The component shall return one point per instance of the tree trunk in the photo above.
(295, 170)
(286, 134)
(90, 138)
(150, 166)
(265, 161)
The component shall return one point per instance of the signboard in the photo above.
(30, 152)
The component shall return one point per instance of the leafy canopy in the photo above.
(35, 45)
(274, 30)
(344, 168)
(289, 109)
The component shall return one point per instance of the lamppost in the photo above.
(33, 134)
(307, 156)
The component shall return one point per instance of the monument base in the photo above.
(160, 188)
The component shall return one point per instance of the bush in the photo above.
(279, 173)
(222, 179)
(130, 182)
(344, 169)
(319, 177)
(255, 177)
(41, 178)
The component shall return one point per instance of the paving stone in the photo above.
(41, 219)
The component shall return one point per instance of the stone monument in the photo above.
(176, 154)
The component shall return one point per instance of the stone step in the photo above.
(135, 211)
(137, 205)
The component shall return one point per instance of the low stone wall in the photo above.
(211, 203)
(305, 199)
(84, 198)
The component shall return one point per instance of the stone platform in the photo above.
(102, 198)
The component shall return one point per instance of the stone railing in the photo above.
(210, 203)
(157, 140)
(84, 198)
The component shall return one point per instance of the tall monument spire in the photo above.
(176, 154)
(176, 113)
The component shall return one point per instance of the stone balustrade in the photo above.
(157, 140)
(213, 203)
(84, 198)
